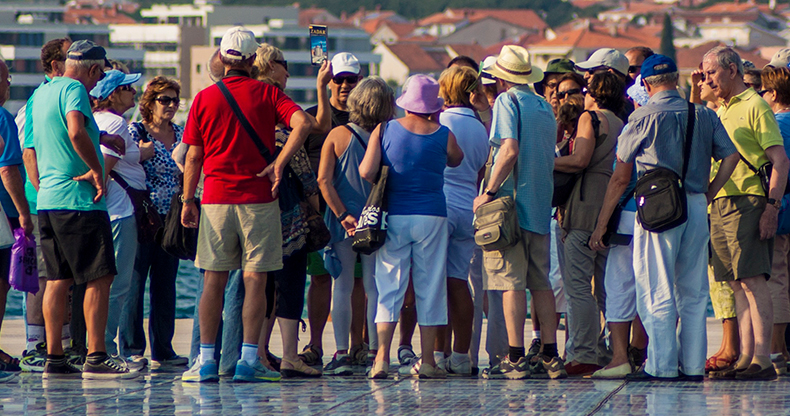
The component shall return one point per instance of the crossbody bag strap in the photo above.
(743, 159)
(512, 96)
(596, 123)
(246, 123)
(142, 132)
(689, 136)
(117, 178)
(358, 137)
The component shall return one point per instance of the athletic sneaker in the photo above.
(108, 368)
(6, 376)
(463, 369)
(534, 350)
(552, 369)
(506, 369)
(76, 356)
(173, 361)
(406, 355)
(342, 366)
(201, 372)
(131, 365)
(60, 368)
(255, 373)
(34, 360)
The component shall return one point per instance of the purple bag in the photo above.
(24, 264)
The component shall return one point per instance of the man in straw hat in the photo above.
(526, 147)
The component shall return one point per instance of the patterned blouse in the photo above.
(161, 172)
(294, 224)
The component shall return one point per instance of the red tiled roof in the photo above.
(364, 15)
(641, 8)
(729, 8)
(472, 50)
(419, 39)
(583, 4)
(100, 16)
(316, 15)
(520, 17)
(415, 57)
(524, 40)
(690, 58)
(594, 38)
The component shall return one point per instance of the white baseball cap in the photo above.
(238, 43)
(608, 57)
(780, 59)
(485, 77)
(345, 62)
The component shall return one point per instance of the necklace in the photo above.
(782, 110)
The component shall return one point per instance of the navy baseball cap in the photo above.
(85, 49)
(658, 65)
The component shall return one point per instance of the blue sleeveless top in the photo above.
(416, 178)
(350, 187)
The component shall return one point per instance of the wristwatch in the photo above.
(777, 203)
(489, 192)
(342, 216)
(186, 200)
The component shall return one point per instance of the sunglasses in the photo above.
(165, 101)
(126, 88)
(281, 62)
(762, 92)
(350, 79)
(561, 94)
(634, 69)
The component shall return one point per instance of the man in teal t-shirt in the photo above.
(76, 238)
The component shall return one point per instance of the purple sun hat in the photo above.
(420, 95)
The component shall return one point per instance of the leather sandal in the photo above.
(715, 363)
(299, 370)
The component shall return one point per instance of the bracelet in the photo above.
(342, 216)
(187, 200)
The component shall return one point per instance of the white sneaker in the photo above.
(464, 369)
(411, 369)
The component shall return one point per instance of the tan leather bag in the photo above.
(496, 224)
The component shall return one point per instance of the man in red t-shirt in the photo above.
(240, 220)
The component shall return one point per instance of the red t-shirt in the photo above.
(231, 161)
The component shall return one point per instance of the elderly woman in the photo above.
(416, 149)
(112, 97)
(460, 189)
(593, 157)
(371, 103)
(157, 136)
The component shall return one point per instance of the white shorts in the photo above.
(416, 244)
(461, 244)
(619, 280)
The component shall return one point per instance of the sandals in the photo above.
(8, 363)
(379, 370)
(715, 363)
(312, 356)
(274, 361)
(299, 370)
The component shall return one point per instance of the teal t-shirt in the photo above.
(58, 162)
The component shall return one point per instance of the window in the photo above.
(21, 92)
(291, 44)
(30, 39)
(197, 68)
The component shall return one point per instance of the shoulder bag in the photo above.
(371, 231)
(764, 173)
(496, 222)
(565, 182)
(661, 195)
(175, 239)
(148, 220)
(289, 189)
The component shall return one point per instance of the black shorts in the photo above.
(5, 254)
(290, 285)
(77, 245)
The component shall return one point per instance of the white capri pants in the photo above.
(341, 294)
(619, 279)
(416, 244)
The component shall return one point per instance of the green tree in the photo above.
(668, 38)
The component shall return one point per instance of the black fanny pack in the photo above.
(660, 194)
(764, 173)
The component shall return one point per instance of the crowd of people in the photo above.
(574, 158)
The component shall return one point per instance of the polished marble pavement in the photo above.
(161, 392)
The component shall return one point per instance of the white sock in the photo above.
(775, 356)
(35, 334)
(206, 353)
(457, 358)
(249, 353)
(438, 356)
(65, 336)
(536, 334)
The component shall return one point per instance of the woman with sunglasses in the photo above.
(157, 136)
(592, 157)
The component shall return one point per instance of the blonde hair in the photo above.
(454, 84)
(264, 56)
(371, 103)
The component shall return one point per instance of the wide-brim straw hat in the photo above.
(420, 95)
(515, 65)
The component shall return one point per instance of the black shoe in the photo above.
(754, 372)
(726, 374)
(106, 369)
(642, 375)
(534, 351)
(637, 356)
(685, 377)
(59, 368)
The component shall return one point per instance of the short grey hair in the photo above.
(84, 64)
(662, 79)
(725, 56)
(371, 103)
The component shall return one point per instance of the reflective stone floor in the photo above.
(162, 393)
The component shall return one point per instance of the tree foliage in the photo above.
(668, 38)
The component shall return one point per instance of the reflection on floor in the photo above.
(163, 393)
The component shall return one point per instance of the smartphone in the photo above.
(318, 52)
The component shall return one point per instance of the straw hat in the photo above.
(515, 65)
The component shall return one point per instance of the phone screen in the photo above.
(318, 52)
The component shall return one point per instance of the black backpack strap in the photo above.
(117, 177)
(246, 123)
(142, 133)
(689, 136)
(355, 134)
(751, 167)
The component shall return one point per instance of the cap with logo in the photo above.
(345, 62)
(86, 50)
(238, 44)
(606, 57)
(658, 65)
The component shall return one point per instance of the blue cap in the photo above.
(112, 80)
(657, 65)
(85, 49)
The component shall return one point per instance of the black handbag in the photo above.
(564, 182)
(660, 193)
(764, 173)
(175, 239)
(148, 220)
(611, 237)
(371, 231)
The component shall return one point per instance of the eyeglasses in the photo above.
(350, 79)
(281, 62)
(634, 69)
(165, 100)
(561, 94)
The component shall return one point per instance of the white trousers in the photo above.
(416, 244)
(619, 280)
(341, 294)
(672, 283)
